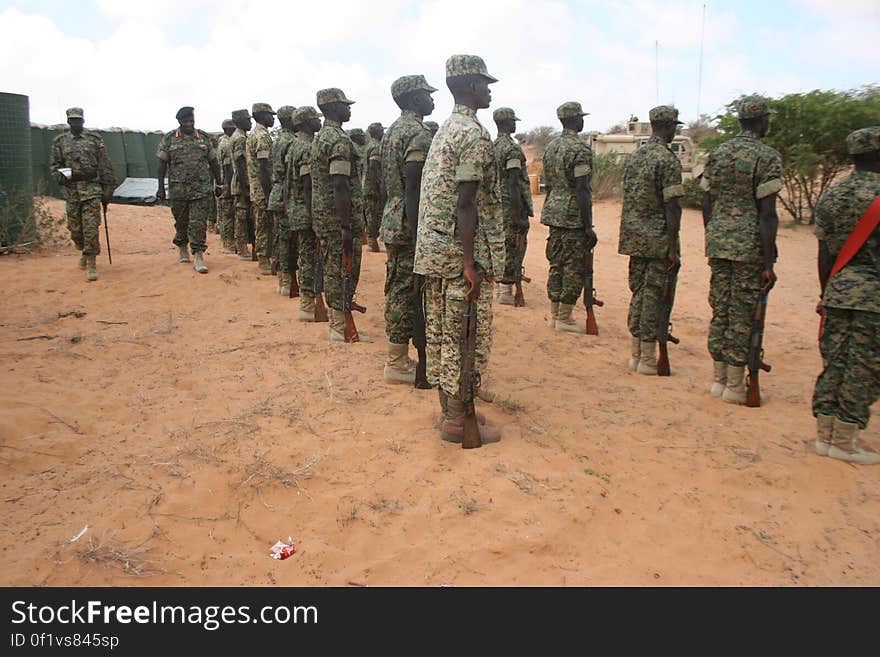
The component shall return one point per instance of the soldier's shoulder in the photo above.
(59, 138)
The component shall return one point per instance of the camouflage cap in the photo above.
(227, 123)
(754, 106)
(408, 83)
(505, 113)
(356, 132)
(304, 113)
(74, 113)
(570, 110)
(375, 126)
(238, 115)
(332, 95)
(866, 140)
(664, 114)
(286, 111)
(262, 107)
(467, 65)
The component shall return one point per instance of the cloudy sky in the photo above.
(133, 64)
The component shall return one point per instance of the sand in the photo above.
(190, 422)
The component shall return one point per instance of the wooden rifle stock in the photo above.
(348, 304)
(320, 308)
(756, 355)
(292, 258)
(590, 299)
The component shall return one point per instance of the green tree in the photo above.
(538, 138)
(809, 130)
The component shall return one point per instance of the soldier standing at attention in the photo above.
(372, 186)
(516, 200)
(189, 158)
(433, 127)
(358, 163)
(89, 186)
(568, 211)
(259, 172)
(649, 226)
(225, 208)
(460, 240)
(404, 148)
(306, 122)
(238, 183)
(334, 222)
(281, 238)
(740, 184)
(850, 340)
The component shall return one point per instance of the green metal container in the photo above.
(151, 141)
(135, 156)
(39, 160)
(49, 135)
(16, 173)
(115, 146)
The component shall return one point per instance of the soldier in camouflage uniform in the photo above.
(433, 127)
(280, 240)
(187, 154)
(331, 172)
(238, 182)
(460, 240)
(649, 226)
(404, 148)
(372, 185)
(358, 165)
(740, 183)
(225, 208)
(568, 211)
(298, 190)
(850, 341)
(89, 185)
(515, 195)
(258, 154)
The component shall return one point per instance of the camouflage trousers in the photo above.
(444, 300)
(307, 260)
(261, 229)
(84, 223)
(646, 278)
(734, 290)
(191, 222)
(226, 218)
(373, 214)
(399, 293)
(566, 250)
(850, 378)
(331, 255)
(243, 216)
(515, 243)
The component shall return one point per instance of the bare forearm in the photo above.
(467, 220)
(769, 223)
(707, 208)
(266, 177)
(342, 200)
(826, 263)
(672, 211)
(160, 173)
(513, 189)
(412, 191)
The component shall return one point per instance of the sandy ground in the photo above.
(190, 422)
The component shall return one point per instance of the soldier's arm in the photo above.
(583, 172)
(105, 172)
(213, 162)
(57, 163)
(826, 263)
(162, 156)
(672, 191)
(373, 174)
(412, 193)
(513, 188)
(706, 206)
(307, 189)
(769, 222)
(241, 175)
(265, 167)
(467, 225)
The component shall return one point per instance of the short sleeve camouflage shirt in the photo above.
(856, 286)
(84, 154)
(738, 174)
(461, 152)
(509, 155)
(651, 177)
(330, 155)
(406, 140)
(567, 158)
(189, 160)
(237, 145)
(259, 147)
(279, 168)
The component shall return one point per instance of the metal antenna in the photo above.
(700, 75)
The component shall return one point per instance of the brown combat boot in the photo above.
(735, 390)
(824, 430)
(396, 370)
(505, 294)
(635, 353)
(648, 358)
(91, 269)
(244, 253)
(337, 325)
(554, 312)
(565, 322)
(373, 244)
(306, 308)
(284, 279)
(845, 445)
(265, 266)
(199, 264)
(452, 429)
(182, 254)
(719, 382)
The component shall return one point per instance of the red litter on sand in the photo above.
(283, 550)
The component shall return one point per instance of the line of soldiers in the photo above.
(452, 210)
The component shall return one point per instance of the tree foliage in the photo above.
(809, 130)
(538, 138)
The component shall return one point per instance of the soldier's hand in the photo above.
(160, 192)
(592, 238)
(768, 280)
(472, 276)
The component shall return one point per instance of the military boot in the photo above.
(565, 322)
(648, 358)
(735, 390)
(845, 445)
(452, 429)
(337, 325)
(719, 382)
(265, 266)
(373, 244)
(244, 253)
(635, 353)
(554, 313)
(82, 262)
(199, 264)
(284, 280)
(227, 247)
(306, 308)
(505, 294)
(396, 370)
(182, 255)
(824, 430)
(91, 269)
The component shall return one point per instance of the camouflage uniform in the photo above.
(461, 152)
(372, 211)
(850, 343)
(259, 147)
(738, 174)
(237, 145)
(406, 140)
(358, 164)
(85, 155)
(433, 127)
(509, 155)
(567, 157)
(190, 184)
(651, 178)
(226, 209)
(331, 154)
(297, 213)
(280, 147)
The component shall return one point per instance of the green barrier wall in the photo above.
(135, 157)
(115, 145)
(151, 142)
(16, 172)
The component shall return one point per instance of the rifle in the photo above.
(320, 308)
(419, 340)
(590, 299)
(292, 263)
(252, 234)
(518, 298)
(467, 344)
(348, 303)
(663, 321)
(107, 235)
(756, 355)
